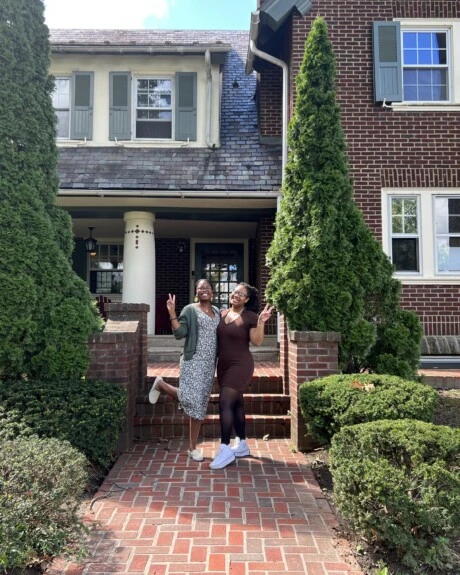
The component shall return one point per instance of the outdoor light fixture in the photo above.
(91, 242)
(180, 247)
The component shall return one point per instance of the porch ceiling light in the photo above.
(91, 242)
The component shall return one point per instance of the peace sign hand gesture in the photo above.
(171, 305)
(266, 313)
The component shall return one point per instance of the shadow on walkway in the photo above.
(159, 513)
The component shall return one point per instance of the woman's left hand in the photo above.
(266, 313)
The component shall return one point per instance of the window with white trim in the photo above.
(405, 235)
(425, 60)
(422, 232)
(154, 108)
(447, 230)
(61, 104)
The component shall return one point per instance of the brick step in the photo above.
(176, 426)
(258, 384)
(255, 403)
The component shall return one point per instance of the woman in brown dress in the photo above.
(239, 326)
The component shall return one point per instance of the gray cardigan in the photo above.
(188, 328)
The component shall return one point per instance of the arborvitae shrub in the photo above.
(397, 483)
(329, 403)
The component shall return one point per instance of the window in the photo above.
(163, 108)
(106, 269)
(73, 103)
(447, 228)
(153, 108)
(413, 61)
(61, 104)
(405, 235)
(422, 235)
(425, 66)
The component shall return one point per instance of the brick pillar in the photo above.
(114, 358)
(312, 354)
(134, 312)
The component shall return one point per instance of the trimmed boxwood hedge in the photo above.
(398, 484)
(88, 414)
(329, 403)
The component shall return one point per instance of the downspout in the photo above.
(254, 51)
(207, 61)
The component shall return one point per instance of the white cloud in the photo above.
(104, 13)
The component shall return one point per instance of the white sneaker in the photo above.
(195, 455)
(154, 393)
(224, 457)
(240, 448)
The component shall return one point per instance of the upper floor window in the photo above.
(414, 62)
(153, 108)
(405, 236)
(425, 66)
(61, 104)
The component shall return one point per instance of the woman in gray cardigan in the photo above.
(196, 323)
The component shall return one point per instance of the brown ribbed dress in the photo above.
(235, 364)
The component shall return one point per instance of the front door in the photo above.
(222, 264)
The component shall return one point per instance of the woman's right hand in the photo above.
(171, 305)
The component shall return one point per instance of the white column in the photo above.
(139, 262)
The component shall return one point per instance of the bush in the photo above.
(329, 403)
(88, 414)
(398, 484)
(41, 481)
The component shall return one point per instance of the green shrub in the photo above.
(88, 414)
(329, 403)
(398, 484)
(41, 481)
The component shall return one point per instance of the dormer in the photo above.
(137, 88)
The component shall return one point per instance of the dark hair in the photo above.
(204, 280)
(253, 302)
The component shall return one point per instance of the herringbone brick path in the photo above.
(159, 513)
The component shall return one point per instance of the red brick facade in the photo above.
(385, 148)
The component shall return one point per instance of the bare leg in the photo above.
(168, 389)
(194, 430)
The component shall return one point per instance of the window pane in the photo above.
(153, 129)
(448, 255)
(63, 125)
(397, 225)
(405, 254)
(396, 206)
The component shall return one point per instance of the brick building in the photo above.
(398, 85)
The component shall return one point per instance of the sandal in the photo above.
(154, 393)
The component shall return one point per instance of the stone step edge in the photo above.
(140, 420)
(175, 378)
(215, 397)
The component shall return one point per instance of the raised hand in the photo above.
(171, 305)
(266, 313)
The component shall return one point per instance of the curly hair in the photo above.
(253, 302)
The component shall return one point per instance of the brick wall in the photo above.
(264, 236)
(172, 276)
(386, 148)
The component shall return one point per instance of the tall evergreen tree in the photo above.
(46, 314)
(327, 271)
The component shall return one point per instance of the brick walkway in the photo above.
(159, 513)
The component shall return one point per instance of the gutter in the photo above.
(207, 62)
(122, 49)
(255, 52)
(170, 194)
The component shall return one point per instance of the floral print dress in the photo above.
(197, 374)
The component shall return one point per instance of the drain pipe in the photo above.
(207, 61)
(254, 51)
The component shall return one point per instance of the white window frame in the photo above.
(56, 109)
(396, 235)
(447, 66)
(448, 235)
(95, 269)
(427, 230)
(429, 25)
(135, 108)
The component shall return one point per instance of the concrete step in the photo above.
(164, 348)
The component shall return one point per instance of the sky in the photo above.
(152, 14)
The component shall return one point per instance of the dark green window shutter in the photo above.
(185, 119)
(120, 106)
(387, 62)
(81, 115)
